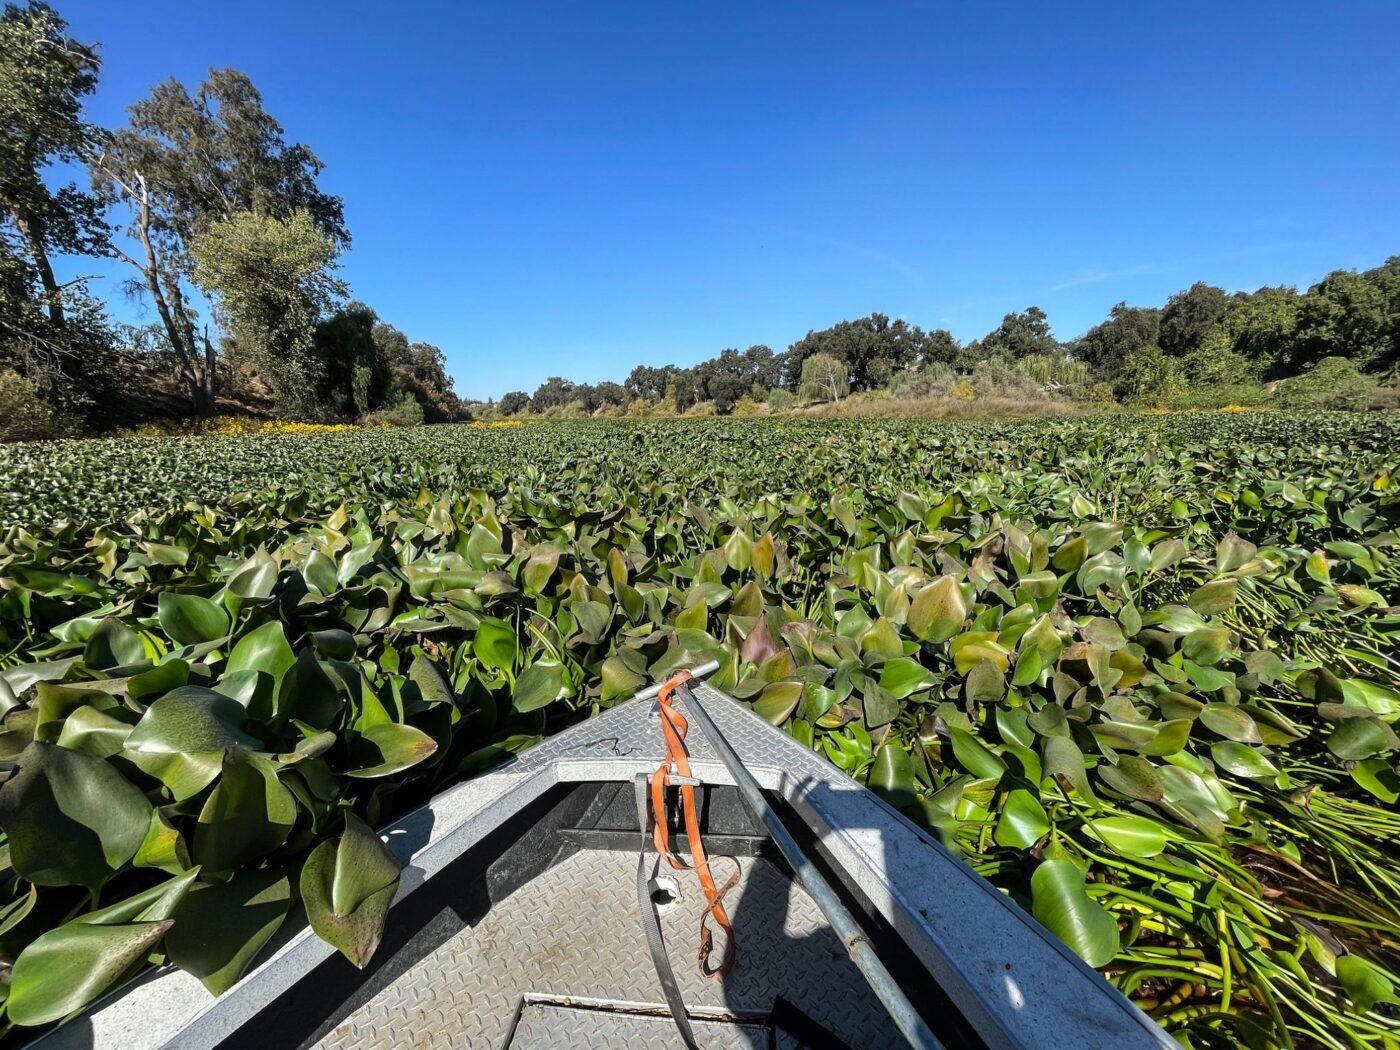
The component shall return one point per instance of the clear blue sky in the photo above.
(574, 188)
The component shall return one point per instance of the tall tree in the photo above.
(1106, 347)
(824, 378)
(46, 329)
(727, 377)
(872, 348)
(1189, 316)
(187, 161)
(354, 373)
(1021, 335)
(271, 279)
(1352, 315)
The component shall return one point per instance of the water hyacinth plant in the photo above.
(1141, 674)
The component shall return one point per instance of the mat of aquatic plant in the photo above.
(1140, 672)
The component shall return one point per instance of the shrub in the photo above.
(747, 406)
(781, 400)
(1054, 372)
(1333, 383)
(1100, 393)
(406, 412)
(933, 380)
(1151, 378)
(25, 416)
(1001, 380)
(1241, 395)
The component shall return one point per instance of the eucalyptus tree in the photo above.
(46, 327)
(185, 162)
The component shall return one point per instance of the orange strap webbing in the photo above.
(673, 728)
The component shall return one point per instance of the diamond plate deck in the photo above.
(574, 933)
(550, 1026)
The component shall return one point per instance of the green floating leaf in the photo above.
(65, 969)
(1215, 597)
(1366, 983)
(1358, 738)
(191, 719)
(189, 619)
(619, 680)
(71, 819)
(902, 676)
(539, 685)
(348, 885)
(892, 776)
(248, 814)
(1131, 836)
(495, 644)
(388, 747)
(264, 650)
(112, 645)
(1023, 822)
(938, 611)
(1379, 778)
(975, 756)
(778, 701)
(220, 928)
(1062, 906)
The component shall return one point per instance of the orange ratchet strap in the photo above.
(676, 769)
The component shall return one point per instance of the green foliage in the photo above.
(1106, 347)
(25, 415)
(52, 333)
(1149, 377)
(406, 412)
(1137, 671)
(1188, 318)
(271, 279)
(824, 378)
(781, 400)
(1333, 383)
(872, 349)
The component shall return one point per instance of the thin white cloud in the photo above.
(1098, 276)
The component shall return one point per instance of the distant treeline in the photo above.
(198, 191)
(201, 199)
(1337, 342)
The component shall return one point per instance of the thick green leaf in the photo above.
(347, 885)
(778, 701)
(113, 644)
(539, 685)
(264, 650)
(71, 819)
(248, 814)
(189, 619)
(938, 611)
(1023, 822)
(191, 719)
(220, 927)
(388, 748)
(1357, 738)
(1366, 983)
(1131, 836)
(892, 776)
(67, 968)
(1062, 906)
(495, 644)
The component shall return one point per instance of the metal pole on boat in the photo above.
(843, 924)
(706, 669)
